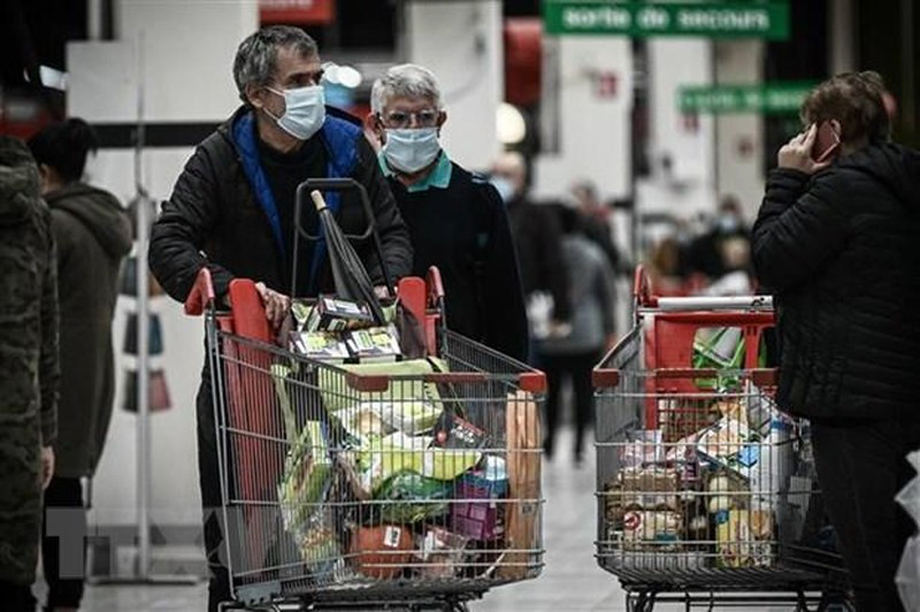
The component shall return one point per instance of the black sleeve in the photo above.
(505, 317)
(552, 264)
(394, 235)
(800, 225)
(182, 229)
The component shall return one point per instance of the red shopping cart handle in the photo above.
(435, 286)
(533, 382)
(642, 289)
(202, 294)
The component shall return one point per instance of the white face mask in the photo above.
(304, 111)
(411, 150)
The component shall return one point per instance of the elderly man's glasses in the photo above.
(402, 119)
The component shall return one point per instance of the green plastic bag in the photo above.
(420, 497)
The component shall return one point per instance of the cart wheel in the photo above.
(643, 602)
(836, 601)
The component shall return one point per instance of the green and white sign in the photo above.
(641, 19)
(769, 98)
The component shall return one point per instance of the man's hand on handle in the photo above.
(276, 304)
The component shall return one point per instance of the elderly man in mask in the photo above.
(232, 210)
(456, 219)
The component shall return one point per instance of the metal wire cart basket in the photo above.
(413, 484)
(705, 490)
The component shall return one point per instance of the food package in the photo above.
(441, 553)
(726, 490)
(643, 448)
(481, 520)
(322, 552)
(377, 418)
(382, 551)
(656, 530)
(331, 314)
(384, 457)
(724, 440)
(680, 417)
(523, 466)
(406, 393)
(684, 457)
(650, 488)
(307, 474)
(452, 431)
(744, 538)
(419, 498)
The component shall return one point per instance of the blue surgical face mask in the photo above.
(304, 111)
(728, 224)
(504, 187)
(411, 150)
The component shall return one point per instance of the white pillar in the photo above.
(841, 39)
(739, 137)
(461, 42)
(681, 147)
(594, 96)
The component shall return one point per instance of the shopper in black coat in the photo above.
(232, 209)
(457, 219)
(836, 243)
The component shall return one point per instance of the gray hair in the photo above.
(257, 55)
(405, 81)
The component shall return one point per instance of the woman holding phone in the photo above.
(836, 242)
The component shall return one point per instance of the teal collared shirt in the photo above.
(439, 176)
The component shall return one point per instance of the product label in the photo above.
(391, 537)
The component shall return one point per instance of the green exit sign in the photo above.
(769, 98)
(768, 20)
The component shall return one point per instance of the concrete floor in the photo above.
(571, 580)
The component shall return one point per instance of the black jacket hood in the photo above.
(99, 211)
(895, 166)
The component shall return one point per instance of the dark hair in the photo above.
(64, 146)
(256, 56)
(855, 99)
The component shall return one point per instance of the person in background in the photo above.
(93, 235)
(30, 375)
(836, 244)
(573, 356)
(708, 253)
(594, 219)
(232, 210)
(456, 219)
(538, 238)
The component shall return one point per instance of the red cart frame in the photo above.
(703, 486)
(303, 518)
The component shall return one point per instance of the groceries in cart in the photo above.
(338, 330)
(413, 478)
(717, 491)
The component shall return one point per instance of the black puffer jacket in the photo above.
(220, 214)
(841, 252)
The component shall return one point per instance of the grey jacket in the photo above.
(591, 293)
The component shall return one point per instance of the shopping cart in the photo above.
(349, 486)
(705, 491)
